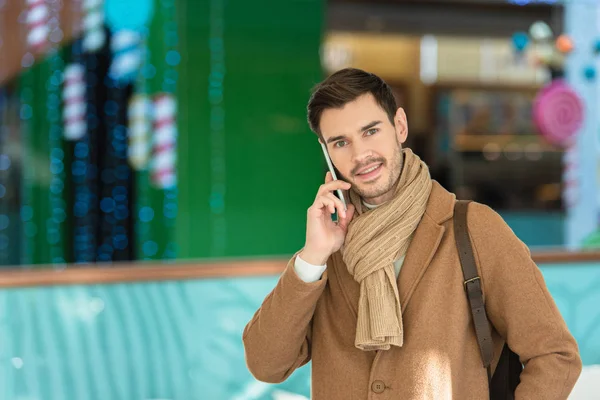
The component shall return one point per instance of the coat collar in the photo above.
(425, 242)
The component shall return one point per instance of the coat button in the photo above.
(378, 386)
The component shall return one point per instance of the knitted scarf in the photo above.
(375, 239)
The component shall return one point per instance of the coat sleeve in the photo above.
(277, 340)
(522, 310)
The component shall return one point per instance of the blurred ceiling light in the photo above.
(429, 59)
(335, 56)
(533, 152)
(492, 151)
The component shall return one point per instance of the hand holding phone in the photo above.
(323, 235)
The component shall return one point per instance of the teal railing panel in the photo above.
(181, 340)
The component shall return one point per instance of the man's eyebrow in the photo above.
(369, 126)
(335, 138)
(364, 128)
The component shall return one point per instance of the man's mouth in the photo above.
(370, 171)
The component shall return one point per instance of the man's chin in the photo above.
(369, 193)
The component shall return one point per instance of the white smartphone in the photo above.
(333, 174)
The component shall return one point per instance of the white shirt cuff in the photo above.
(308, 272)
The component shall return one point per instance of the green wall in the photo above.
(272, 164)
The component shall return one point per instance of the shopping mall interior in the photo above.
(156, 167)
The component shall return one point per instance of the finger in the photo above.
(338, 204)
(345, 221)
(323, 202)
(330, 187)
(328, 177)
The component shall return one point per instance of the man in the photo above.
(376, 300)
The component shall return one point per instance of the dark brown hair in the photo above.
(344, 86)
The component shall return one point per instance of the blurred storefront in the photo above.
(469, 95)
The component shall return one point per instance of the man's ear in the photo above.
(401, 125)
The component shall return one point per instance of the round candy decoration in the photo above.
(564, 44)
(558, 113)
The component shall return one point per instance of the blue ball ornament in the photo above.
(589, 73)
(520, 41)
(597, 46)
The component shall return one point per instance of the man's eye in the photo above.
(372, 131)
(341, 143)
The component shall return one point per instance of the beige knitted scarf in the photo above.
(375, 239)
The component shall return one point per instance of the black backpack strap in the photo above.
(472, 285)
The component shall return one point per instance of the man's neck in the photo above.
(370, 206)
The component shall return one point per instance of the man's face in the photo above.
(360, 137)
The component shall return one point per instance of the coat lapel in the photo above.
(425, 242)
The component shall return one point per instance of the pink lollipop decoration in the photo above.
(558, 113)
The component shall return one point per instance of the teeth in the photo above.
(370, 170)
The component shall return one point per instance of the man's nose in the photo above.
(360, 153)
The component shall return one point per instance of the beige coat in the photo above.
(440, 358)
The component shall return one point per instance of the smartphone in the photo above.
(340, 195)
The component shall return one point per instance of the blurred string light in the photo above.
(29, 228)
(75, 120)
(5, 163)
(164, 139)
(128, 21)
(84, 170)
(139, 114)
(140, 125)
(58, 214)
(127, 56)
(131, 63)
(7, 222)
(216, 79)
(116, 197)
(116, 173)
(38, 25)
(74, 90)
(74, 101)
(94, 35)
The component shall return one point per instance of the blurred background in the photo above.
(156, 167)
